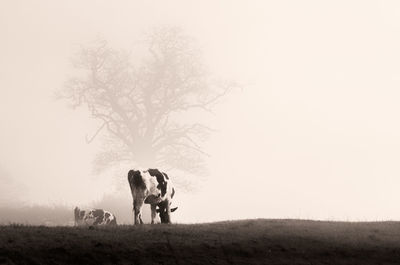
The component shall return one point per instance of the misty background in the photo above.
(311, 133)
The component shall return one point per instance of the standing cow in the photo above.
(94, 217)
(151, 187)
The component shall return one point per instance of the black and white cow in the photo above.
(151, 187)
(93, 217)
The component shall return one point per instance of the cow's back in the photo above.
(135, 179)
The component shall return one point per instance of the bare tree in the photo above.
(142, 103)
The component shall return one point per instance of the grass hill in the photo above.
(233, 242)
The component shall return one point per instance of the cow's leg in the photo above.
(153, 212)
(140, 218)
(168, 213)
(137, 208)
(133, 210)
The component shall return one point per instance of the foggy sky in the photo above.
(313, 133)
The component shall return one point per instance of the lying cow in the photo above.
(94, 217)
(151, 187)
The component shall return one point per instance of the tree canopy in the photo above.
(140, 100)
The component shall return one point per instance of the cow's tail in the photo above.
(172, 193)
(135, 178)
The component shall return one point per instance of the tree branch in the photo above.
(88, 141)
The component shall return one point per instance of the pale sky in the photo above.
(314, 133)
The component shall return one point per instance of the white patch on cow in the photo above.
(151, 184)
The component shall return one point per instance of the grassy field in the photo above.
(234, 242)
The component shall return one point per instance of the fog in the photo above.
(312, 131)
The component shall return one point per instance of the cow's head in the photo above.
(162, 211)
